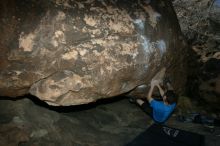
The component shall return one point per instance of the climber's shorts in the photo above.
(147, 109)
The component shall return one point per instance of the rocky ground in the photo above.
(29, 122)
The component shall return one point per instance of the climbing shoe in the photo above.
(132, 99)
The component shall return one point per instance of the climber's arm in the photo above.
(149, 96)
(160, 89)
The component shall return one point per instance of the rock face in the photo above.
(200, 23)
(70, 52)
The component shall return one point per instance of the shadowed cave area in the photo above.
(68, 69)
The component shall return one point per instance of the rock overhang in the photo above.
(80, 51)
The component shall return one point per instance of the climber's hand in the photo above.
(154, 82)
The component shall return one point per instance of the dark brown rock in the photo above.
(75, 52)
(199, 21)
(12, 135)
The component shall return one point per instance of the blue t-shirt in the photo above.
(161, 111)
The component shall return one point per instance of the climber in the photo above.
(158, 110)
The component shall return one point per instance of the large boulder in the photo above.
(69, 52)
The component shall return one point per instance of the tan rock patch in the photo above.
(26, 42)
(70, 55)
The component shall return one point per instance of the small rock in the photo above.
(17, 120)
(39, 133)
